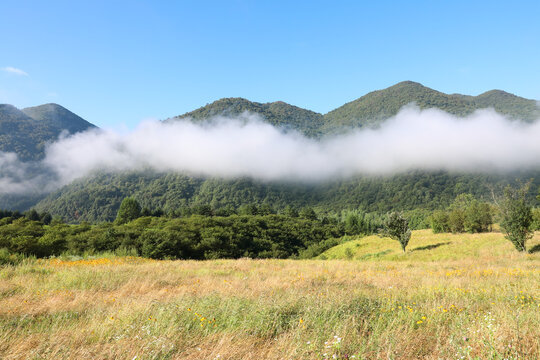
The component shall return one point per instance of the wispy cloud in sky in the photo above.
(14, 70)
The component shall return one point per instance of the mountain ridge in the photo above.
(97, 198)
(27, 131)
(370, 109)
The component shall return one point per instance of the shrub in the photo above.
(440, 222)
(516, 216)
(397, 228)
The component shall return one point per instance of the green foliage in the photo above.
(536, 219)
(397, 227)
(466, 214)
(9, 258)
(98, 198)
(129, 210)
(440, 221)
(357, 222)
(307, 213)
(517, 216)
(192, 237)
(316, 249)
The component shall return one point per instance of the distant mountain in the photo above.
(277, 113)
(97, 198)
(377, 106)
(27, 131)
(369, 110)
(58, 118)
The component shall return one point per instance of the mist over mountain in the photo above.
(234, 151)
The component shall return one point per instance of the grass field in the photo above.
(450, 297)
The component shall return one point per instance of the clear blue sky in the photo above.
(118, 62)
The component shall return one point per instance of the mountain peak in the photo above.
(58, 117)
(277, 113)
(27, 131)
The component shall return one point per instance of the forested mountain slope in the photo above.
(371, 109)
(277, 113)
(98, 198)
(27, 131)
(377, 106)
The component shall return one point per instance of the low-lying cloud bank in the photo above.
(248, 147)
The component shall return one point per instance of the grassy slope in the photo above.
(483, 306)
(426, 246)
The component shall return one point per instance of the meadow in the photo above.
(463, 296)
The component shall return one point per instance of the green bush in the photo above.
(440, 222)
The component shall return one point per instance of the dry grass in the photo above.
(484, 304)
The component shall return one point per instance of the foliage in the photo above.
(536, 219)
(191, 237)
(98, 198)
(516, 216)
(397, 228)
(466, 214)
(129, 210)
(440, 222)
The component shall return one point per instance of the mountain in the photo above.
(27, 131)
(369, 110)
(372, 109)
(277, 113)
(58, 118)
(97, 198)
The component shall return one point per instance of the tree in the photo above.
(290, 211)
(397, 227)
(32, 215)
(307, 213)
(129, 210)
(516, 216)
(439, 222)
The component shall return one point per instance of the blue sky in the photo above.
(116, 63)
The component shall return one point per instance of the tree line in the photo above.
(202, 232)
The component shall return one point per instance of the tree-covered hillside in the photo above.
(276, 113)
(58, 118)
(98, 198)
(26, 132)
(377, 106)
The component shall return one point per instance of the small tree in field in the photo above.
(397, 227)
(516, 216)
(129, 210)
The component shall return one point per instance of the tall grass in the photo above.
(428, 303)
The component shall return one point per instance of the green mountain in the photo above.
(372, 109)
(27, 131)
(277, 113)
(97, 198)
(369, 110)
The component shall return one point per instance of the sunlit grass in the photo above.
(475, 298)
(426, 246)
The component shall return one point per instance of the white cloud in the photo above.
(13, 70)
(248, 147)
